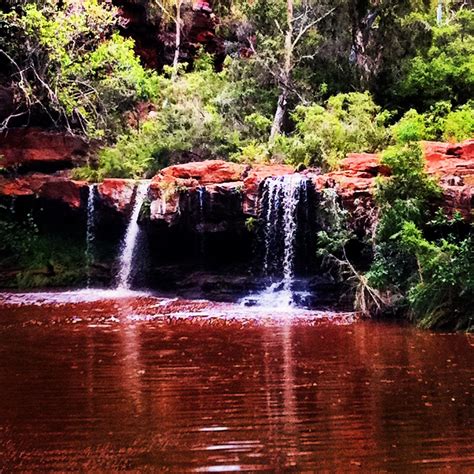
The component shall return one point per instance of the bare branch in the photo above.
(304, 29)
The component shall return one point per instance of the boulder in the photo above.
(65, 190)
(364, 162)
(117, 193)
(206, 172)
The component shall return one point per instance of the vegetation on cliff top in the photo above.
(294, 87)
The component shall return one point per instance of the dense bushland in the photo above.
(422, 263)
(294, 87)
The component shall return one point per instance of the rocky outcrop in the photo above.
(211, 181)
(231, 189)
(52, 188)
(117, 193)
(30, 149)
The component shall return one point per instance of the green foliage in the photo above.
(37, 259)
(441, 122)
(335, 232)
(251, 224)
(411, 127)
(253, 152)
(67, 61)
(324, 135)
(185, 125)
(403, 197)
(459, 124)
(408, 180)
(17, 237)
(443, 71)
(443, 293)
(53, 261)
(430, 279)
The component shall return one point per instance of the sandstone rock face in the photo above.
(205, 172)
(453, 165)
(53, 188)
(117, 193)
(214, 179)
(179, 191)
(364, 163)
(35, 149)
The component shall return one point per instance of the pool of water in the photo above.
(109, 381)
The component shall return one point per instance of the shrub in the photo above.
(430, 279)
(459, 124)
(441, 122)
(324, 135)
(185, 126)
(403, 197)
(443, 292)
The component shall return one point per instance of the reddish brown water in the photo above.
(137, 383)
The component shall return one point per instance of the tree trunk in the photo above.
(439, 13)
(366, 55)
(177, 47)
(285, 76)
(279, 115)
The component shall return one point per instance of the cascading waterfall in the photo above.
(280, 204)
(90, 230)
(131, 238)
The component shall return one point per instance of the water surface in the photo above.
(123, 381)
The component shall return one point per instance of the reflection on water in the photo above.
(131, 383)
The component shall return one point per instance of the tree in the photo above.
(65, 62)
(297, 27)
(285, 35)
(171, 11)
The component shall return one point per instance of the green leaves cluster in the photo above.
(323, 136)
(184, 125)
(443, 291)
(68, 62)
(430, 276)
(440, 122)
(443, 70)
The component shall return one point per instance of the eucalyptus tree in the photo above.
(285, 35)
(171, 12)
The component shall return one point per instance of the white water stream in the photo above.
(281, 198)
(90, 230)
(129, 245)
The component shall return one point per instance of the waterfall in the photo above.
(280, 203)
(90, 230)
(201, 197)
(128, 248)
